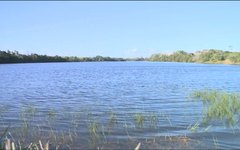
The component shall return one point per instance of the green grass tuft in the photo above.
(139, 120)
(219, 105)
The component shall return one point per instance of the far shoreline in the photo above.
(211, 56)
(204, 63)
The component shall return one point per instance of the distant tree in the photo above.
(204, 56)
(15, 57)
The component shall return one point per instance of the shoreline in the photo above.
(220, 63)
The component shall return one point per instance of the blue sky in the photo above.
(118, 29)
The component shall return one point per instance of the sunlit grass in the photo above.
(153, 119)
(139, 120)
(219, 105)
(94, 129)
(11, 145)
(194, 128)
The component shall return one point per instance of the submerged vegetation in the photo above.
(219, 105)
(39, 130)
(139, 120)
(98, 132)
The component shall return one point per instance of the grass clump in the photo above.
(194, 128)
(153, 120)
(28, 111)
(52, 114)
(94, 129)
(206, 95)
(219, 105)
(139, 120)
(112, 118)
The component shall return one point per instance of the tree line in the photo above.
(204, 56)
(16, 57)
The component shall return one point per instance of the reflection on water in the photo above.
(101, 99)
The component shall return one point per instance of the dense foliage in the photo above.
(205, 56)
(179, 56)
(15, 57)
(219, 105)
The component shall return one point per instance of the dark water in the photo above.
(70, 96)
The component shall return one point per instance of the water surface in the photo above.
(78, 92)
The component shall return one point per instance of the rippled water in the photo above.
(71, 95)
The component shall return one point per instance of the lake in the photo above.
(115, 104)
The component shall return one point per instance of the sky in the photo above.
(118, 28)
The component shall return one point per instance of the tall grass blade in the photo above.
(138, 146)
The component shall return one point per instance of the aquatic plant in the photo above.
(153, 119)
(139, 119)
(166, 117)
(93, 128)
(206, 129)
(2, 137)
(27, 115)
(216, 143)
(52, 114)
(138, 146)
(219, 105)
(94, 133)
(29, 110)
(97, 129)
(112, 118)
(206, 95)
(11, 145)
(3, 109)
(194, 128)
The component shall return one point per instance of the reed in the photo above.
(112, 118)
(3, 109)
(139, 120)
(94, 133)
(95, 125)
(216, 143)
(153, 120)
(28, 110)
(194, 128)
(219, 105)
(52, 114)
(11, 145)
